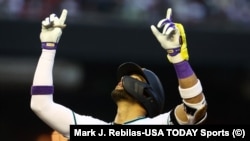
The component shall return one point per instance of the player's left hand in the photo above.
(169, 37)
(172, 38)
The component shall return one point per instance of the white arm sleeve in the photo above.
(56, 116)
(44, 68)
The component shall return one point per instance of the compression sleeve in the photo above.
(43, 73)
(56, 116)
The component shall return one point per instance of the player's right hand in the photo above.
(52, 27)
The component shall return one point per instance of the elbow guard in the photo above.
(197, 112)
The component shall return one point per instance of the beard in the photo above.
(118, 95)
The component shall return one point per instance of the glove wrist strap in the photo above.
(49, 45)
(174, 51)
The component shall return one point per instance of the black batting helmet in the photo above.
(150, 94)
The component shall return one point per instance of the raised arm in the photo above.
(56, 116)
(193, 110)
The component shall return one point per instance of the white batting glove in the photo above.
(172, 38)
(52, 30)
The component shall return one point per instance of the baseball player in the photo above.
(139, 94)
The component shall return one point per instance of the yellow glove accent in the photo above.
(184, 50)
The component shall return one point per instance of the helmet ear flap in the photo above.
(134, 87)
(142, 92)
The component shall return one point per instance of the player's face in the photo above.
(119, 92)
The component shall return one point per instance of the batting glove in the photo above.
(52, 30)
(172, 38)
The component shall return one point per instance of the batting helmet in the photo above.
(150, 94)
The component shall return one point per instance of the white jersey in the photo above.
(60, 117)
(162, 119)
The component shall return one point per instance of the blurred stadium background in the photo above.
(100, 35)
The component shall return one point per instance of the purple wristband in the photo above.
(49, 45)
(173, 52)
(42, 90)
(183, 69)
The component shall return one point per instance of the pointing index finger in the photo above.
(169, 13)
(63, 16)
